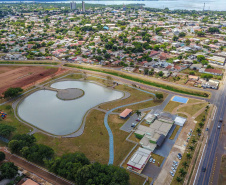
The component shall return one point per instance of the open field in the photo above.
(192, 109)
(143, 105)
(171, 105)
(94, 142)
(12, 121)
(222, 174)
(22, 76)
(135, 96)
(182, 115)
(136, 179)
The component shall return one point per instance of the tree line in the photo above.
(75, 167)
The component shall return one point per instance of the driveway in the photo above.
(151, 170)
(127, 125)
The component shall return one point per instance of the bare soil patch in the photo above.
(22, 76)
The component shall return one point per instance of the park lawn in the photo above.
(75, 76)
(12, 121)
(174, 132)
(121, 146)
(222, 174)
(170, 106)
(94, 142)
(136, 179)
(143, 105)
(192, 100)
(135, 96)
(182, 115)
(158, 159)
(192, 109)
(133, 138)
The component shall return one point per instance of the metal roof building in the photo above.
(139, 159)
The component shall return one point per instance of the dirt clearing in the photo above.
(22, 76)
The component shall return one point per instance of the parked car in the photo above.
(218, 126)
(221, 119)
(207, 129)
(133, 125)
(138, 119)
(151, 159)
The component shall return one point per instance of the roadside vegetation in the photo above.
(142, 80)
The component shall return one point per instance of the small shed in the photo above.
(180, 121)
(125, 113)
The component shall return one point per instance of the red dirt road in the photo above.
(49, 177)
(22, 76)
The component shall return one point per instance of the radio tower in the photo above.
(204, 6)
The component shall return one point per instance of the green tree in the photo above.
(188, 155)
(198, 130)
(185, 164)
(159, 96)
(2, 156)
(12, 92)
(6, 130)
(182, 34)
(160, 73)
(179, 179)
(138, 113)
(201, 124)
(182, 172)
(206, 76)
(191, 148)
(8, 170)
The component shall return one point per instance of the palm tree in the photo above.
(179, 179)
(188, 155)
(138, 113)
(198, 130)
(185, 164)
(191, 148)
(201, 124)
(193, 141)
(182, 172)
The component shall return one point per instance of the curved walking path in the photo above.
(111, 138)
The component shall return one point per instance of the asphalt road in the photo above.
(204, 178)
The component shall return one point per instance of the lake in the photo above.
(45, 111)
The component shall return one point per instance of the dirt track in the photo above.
(22, 76)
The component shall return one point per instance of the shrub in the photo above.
(138, 136)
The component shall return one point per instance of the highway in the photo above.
(203, 178)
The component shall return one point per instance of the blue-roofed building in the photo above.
(106, 28)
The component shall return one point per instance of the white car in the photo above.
(172, 168)
(151, 160)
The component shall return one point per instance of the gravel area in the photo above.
(70, 94)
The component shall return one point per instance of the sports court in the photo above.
(180, 99)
